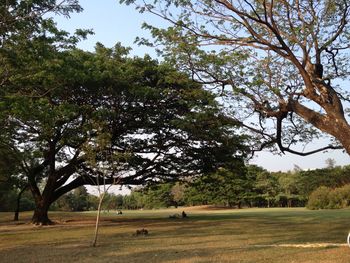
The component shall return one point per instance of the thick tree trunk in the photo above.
(334, 124)
(40, 216)
(343, 137)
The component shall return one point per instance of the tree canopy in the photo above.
(284, 63)
(159, 124)
(27, 30)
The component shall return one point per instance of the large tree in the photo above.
(156, 123)
(285, 62)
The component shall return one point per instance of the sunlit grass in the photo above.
(206, 236)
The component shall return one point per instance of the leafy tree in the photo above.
(267, 187)
(178, 193)
(193, 196)
(28, 37)
(339, 197)
(283, 62)
(331, 177)
(80, 199)
(288, 189)
(12, 180)
(64, 203)
(135, 200)
(225, 187)
(253, 194)
(168, 125)
(119, 202)
(77, 200)
(157, 196)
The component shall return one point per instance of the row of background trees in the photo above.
(252, 186)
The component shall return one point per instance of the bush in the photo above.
(325, 197)
(339, 197)
(319, 199)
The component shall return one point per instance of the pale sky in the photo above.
(114, 23)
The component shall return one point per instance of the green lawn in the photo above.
(246, 235)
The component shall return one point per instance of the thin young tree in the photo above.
(106, 163)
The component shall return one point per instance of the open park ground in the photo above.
(207, 235)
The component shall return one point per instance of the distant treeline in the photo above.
(251, 186)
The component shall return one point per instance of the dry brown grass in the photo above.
(248, 235)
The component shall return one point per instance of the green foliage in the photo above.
(134, 201)
(225, 187)
(58, 103)
(319, 198)
(178, 194)
(327, 198)
(340, 197)
(332, 177)
(8, 199)
(27, 203)
(253, 186)
(28, 37)
(77, 200)
(249, 186)
(158, 196)
(144, 109)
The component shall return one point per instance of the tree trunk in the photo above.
(16, 217)
(40, 216)
(18, 203)
(334, 123)
(94, 241)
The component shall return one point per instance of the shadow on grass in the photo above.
(117, 252)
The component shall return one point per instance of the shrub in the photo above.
(325, 197)
(319, 199)
(339, 197)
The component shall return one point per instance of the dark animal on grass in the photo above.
(141, 232)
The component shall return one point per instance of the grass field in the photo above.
(208, 235)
